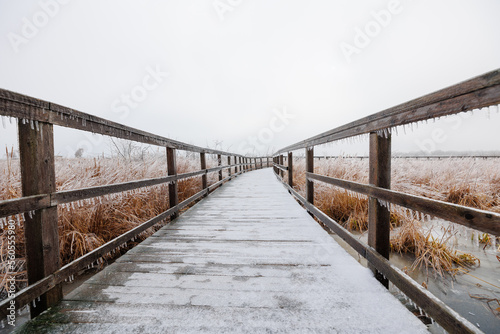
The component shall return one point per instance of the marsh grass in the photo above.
(88, 224)
(468, 181)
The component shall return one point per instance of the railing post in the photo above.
(36, 148)
(203, 161)
(310, 169)
(219, 163)
(267, 161)
(235, 167)
(290, 169)
(379, 216)
(281, 163)
(173, 195)
(261, 165)
(229, 164)
(255, 163)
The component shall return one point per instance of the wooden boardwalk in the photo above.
(247, 258)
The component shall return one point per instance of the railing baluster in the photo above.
(36, 148)
(310, 169)
(229, 164)
(379, 225)
(219, 163)
(290, 169)
(280, 161)
(203, 161)
(173, 195)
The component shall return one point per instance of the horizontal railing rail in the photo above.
(486, 221)
(479, 92)
(432, 306)
(35, 121)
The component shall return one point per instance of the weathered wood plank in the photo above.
(379, 216)
(29, 203)
(285, 168)
(36, 151)
(203, 163)
(30, 293)
(243, 281)
(290, 169)
(173, 194)
(310, 169)
(219, 163)
(443, 314)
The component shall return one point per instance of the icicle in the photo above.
(3, 122)
(33, 302)
(37, 126)
(3, 324)
(38, 299)
(30, 215)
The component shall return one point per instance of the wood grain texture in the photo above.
(440, 312)
(268, 270)
(379, 216)
(36, 151)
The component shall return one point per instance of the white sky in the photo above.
(227, 78)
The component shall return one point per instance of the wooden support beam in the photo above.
(280, 161)
(36, 149)
(219, 163)
(173, 195)
(290, 169)
(203, 161)
(379, 216)
(310, 169)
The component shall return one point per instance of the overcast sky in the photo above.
(255, 75)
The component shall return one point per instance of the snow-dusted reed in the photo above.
(87, 224)
(473, 182)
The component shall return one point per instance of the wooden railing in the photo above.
(35, 121)
(479, 92)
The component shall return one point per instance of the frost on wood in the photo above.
(247, 258)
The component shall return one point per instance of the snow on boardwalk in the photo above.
(246, 259)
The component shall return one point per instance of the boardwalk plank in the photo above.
(245, 259)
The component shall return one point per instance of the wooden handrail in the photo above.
(478, 92)
(485, 221)
(35, 122)
(449, 319)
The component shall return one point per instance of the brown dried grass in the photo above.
(86, 225)
(468, 182)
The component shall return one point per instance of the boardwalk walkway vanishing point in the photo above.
(247, 258)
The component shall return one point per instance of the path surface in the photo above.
(246, 259)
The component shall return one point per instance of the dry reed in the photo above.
(88, 224)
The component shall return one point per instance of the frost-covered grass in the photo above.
(468, 181)
(88, 224)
